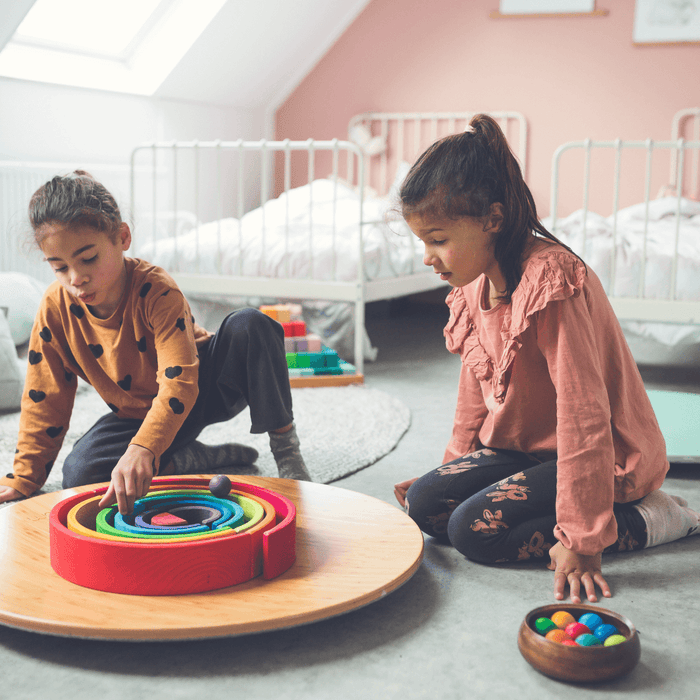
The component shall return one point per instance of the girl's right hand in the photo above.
(131, 479)
(7, 493)
(400, 491)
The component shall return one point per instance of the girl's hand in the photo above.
(130, 479)
(400, 491)
(576, 569)
(7, 493)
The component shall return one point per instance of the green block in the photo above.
(318, 360)
(330, 358)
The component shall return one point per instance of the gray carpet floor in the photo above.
(449, 632)
(341, 430)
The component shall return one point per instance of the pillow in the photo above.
(21, 295)
(11, 379)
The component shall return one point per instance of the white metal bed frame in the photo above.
(412, 126)
(671, 310)
(359, 171)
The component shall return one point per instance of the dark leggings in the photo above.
(243, 364)
(499, 506)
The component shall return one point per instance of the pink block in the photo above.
(313, 343)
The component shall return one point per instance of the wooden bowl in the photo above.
(579, 664)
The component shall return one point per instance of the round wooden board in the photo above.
(352, 549)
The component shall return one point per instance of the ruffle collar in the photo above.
(550, 274)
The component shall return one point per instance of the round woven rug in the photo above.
(341, 430)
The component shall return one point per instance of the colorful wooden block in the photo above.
(284, 313)
(325, 362)
(330, 358)
(167, 520)
(313, 342)
(269, 310)
(301, 372)
(294, 329)
(316, 360)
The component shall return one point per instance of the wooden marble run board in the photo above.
(348, 550)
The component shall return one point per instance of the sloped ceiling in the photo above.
(252, 55)
(255, 52)
(12, 12)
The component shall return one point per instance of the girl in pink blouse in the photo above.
(555, 446)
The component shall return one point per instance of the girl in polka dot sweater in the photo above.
(124, 326)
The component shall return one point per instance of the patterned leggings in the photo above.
(499, 506)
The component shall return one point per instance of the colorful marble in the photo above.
(562, 618)
(603, 631)
(591, 620)
(588, 640)
(544, 625)
(558, 635)
(576, 629)
(614, 640)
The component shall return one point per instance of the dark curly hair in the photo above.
(75, 199)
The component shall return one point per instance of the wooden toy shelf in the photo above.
(320, 380)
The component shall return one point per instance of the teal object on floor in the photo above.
(678, 414)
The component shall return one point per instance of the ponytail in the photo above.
(463, 175)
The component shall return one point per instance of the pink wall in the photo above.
(572, 78)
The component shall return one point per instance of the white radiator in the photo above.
(18, 182)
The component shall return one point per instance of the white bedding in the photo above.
(596, 247)
(294, 236)
(596, 250)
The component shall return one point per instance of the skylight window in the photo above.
(121, 45)
(104, 29)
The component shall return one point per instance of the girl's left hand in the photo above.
(576, 569)
(401, 489)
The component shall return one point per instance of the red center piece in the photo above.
(167, 520)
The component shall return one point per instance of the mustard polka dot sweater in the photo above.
(142, 361)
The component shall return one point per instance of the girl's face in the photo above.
(461, 250)
(89, 264)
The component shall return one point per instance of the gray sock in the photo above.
(198, 458)
(287, 454)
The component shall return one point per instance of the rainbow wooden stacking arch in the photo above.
(191, 563)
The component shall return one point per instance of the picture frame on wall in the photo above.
(539, 7)
(666, 21)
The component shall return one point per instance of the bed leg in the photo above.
(359, 332)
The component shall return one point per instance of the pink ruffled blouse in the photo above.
(552, 372)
